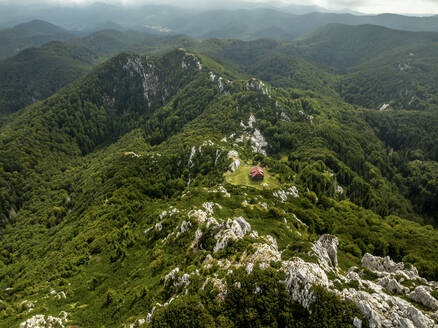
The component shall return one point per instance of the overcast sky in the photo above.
(427, 7)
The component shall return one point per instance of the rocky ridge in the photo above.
(382, 296)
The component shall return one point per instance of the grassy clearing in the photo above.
(240, 177)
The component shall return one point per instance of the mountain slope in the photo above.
(292, 72)
(119, 205)
(248, 22)
(31, 34)
(37, 73)
(382, 55)
(404, 78)
(342, 46)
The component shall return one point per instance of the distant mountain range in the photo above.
(245, 21)
(30, 34)
(338, 60)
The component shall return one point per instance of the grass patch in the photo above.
(347, 260)
(240, 177)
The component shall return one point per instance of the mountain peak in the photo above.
(40, 26)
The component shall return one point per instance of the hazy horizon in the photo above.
(422, 7)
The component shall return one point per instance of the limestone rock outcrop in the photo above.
(422, 295)
(326, 248)
(45, 321)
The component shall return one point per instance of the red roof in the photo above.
(257, 170)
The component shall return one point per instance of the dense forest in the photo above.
(124, 190)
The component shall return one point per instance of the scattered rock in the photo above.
(28, 304)
(283, 194)
(385, 266)
(234, 156)
(285, 117)
(42, 321)
(357, 323)
(326, 248)
(258, 85)
(191, 156)
(132, 154)
(301, 277)
(176, 279)
(258, 142)
(235, 229)
(422, 295)
(384, 107)
(185, 226)
(393, 286)
(159, 226)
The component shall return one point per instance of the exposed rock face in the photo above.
(378, 301)
(326, 248)
(42, 321)
(222, 84)
(201, 217)
(234, 156)
(234, 229)
(149, 80)
(258, 85)
(375, 263)
(265, 253)
(185, 225)
(384, 310)
(384, 107)
(386, 266)
(258, 142)
(393, 286)
(251, 121)
(58, 295)
(283, 194)
(300, 278)
(422, 295)
(191, 156)
(190, 60)
(357, 323)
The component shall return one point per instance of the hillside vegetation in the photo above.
(31, 34)
(125, 196)
(37, 73)
(115, 206)
(369, 66)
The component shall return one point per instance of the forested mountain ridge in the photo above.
(125, 199)
(246, 21)
(403, 78)
(366, 65)
(342, 46)
(32, 34)
(37, 73)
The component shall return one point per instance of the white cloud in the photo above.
(385, 6)
(427, 7)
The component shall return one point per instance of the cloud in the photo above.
(429, 7)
